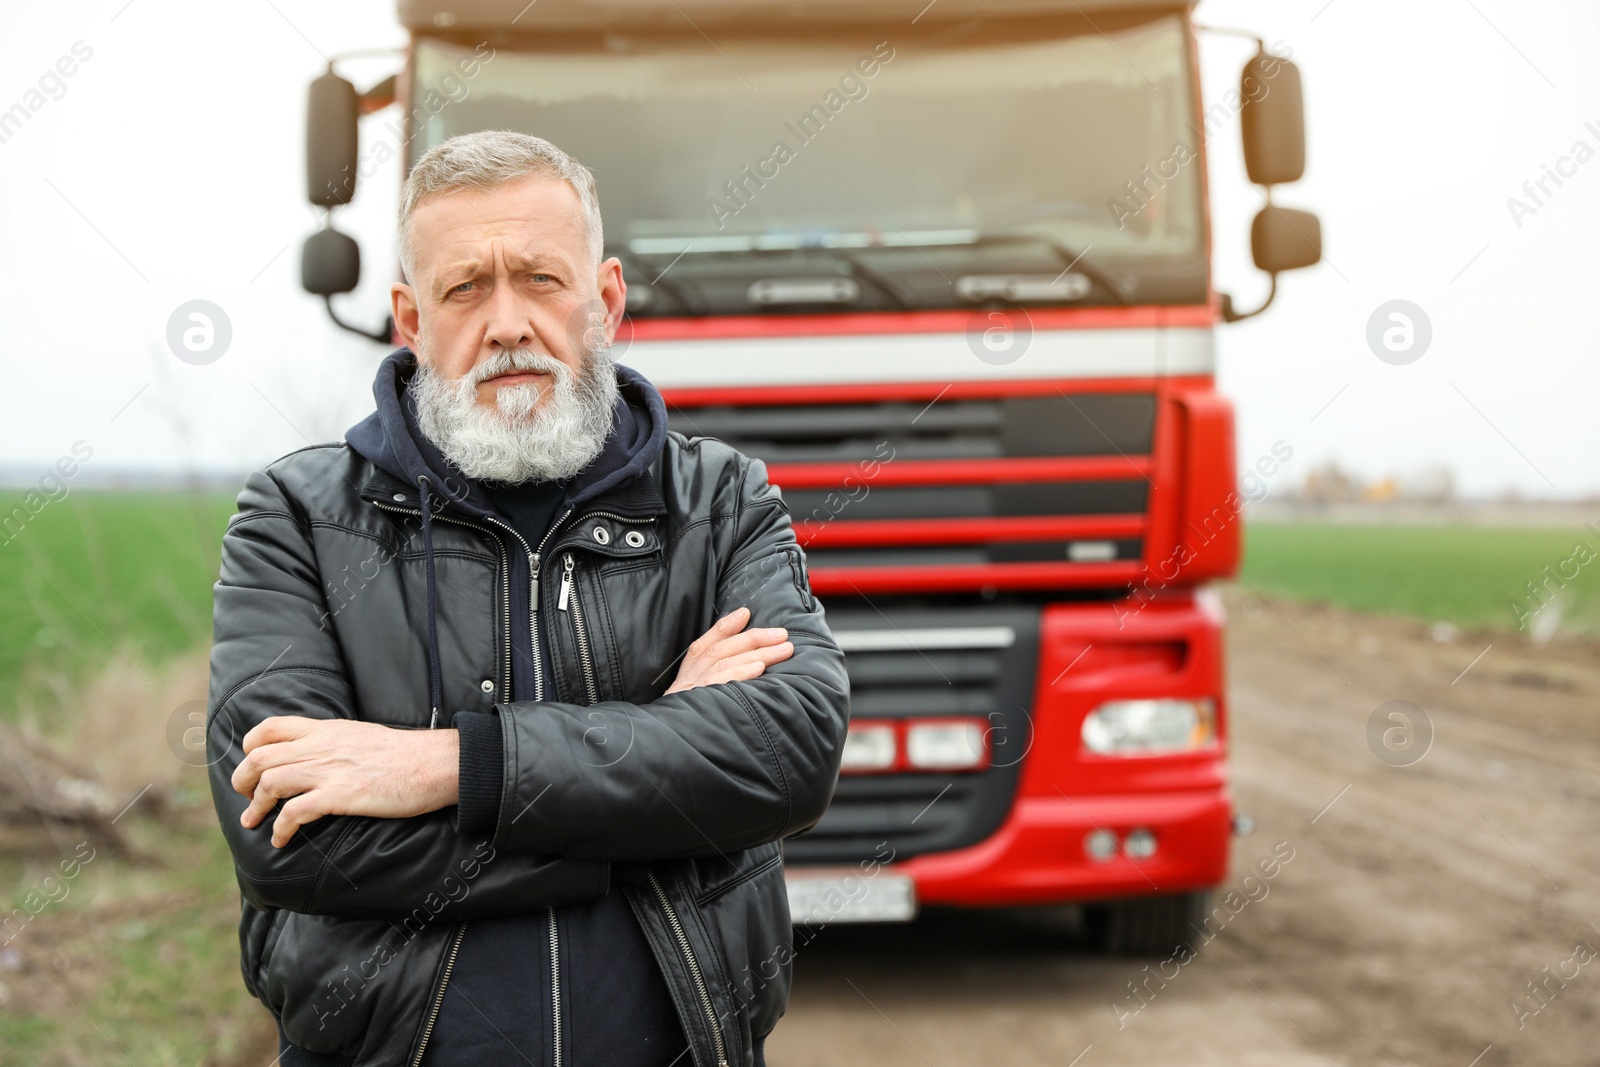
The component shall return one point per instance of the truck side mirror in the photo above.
(330, 263)
(1273, 121)
(331, 110)
(1282, 238)
(1272, 125)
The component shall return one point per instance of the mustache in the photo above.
(518, 359)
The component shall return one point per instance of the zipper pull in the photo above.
(566, 584)
(434, 722)
(533, 583)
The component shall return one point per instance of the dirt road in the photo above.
(1420, 902)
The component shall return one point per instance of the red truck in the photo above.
(945, 268)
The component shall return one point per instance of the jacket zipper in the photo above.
(555, 984)
(438, 1000)
(538, 694)
(614, 515)
(569, 592)
(533, 603)
(538, 685)
(585, 658)
(694, 968)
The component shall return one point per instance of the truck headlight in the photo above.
(932, 745)
(1150, 727)
(868, 746)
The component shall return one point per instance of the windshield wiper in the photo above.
(858, 271)
(1070, 261)
(871, 277)
(660, 282)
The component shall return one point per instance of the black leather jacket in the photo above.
(327, 593)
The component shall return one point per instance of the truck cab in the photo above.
(945, 269)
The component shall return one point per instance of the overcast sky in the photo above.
(168, 167)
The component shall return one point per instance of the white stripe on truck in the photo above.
(942, 357)
(917, 640)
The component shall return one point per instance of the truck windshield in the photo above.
(1037, 162)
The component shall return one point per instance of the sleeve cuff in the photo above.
(482, 773)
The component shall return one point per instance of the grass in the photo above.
(102, 575)
(148, 952)
(98, 575)
(1470, 576)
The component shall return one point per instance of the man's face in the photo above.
(505, 270)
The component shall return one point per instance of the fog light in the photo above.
(1101, 846)
(946, 746)
(868, 748)
(1149, 727)
(1139, 844)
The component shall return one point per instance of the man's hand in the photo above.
(723, 654)
(343, 767)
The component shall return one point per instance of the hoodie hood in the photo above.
(392, 440)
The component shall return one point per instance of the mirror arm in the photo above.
(1228, 31)
(1230, 315)
(384, 337)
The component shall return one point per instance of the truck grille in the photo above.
(928, 662)
(1011, 485)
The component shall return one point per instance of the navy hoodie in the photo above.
(615, 1005)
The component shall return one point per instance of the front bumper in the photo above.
(1038, 856)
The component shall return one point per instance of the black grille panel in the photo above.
(1088, 424)
(1125, 497)
(949, 555)
(1055, 487)
(917, 813)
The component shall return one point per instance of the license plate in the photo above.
(822, 895)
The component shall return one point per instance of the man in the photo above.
(515, 692)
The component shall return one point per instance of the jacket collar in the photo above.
(620, 477)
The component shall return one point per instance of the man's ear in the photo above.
(613, 294)
(407, 321)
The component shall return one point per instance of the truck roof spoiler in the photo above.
(578, 15)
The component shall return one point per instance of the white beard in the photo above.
(516, 442)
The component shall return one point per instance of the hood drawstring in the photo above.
(435, 676)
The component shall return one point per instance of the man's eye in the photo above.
(542, 278)
(462, 287)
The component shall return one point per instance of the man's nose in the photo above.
(509, 326)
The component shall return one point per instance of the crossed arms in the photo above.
(741, 749)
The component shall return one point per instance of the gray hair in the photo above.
(486, 159)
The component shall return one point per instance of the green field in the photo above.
(103, 575)
(1471, 576)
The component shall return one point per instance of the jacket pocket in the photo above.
(340, 985)
(747, 914)
(258, 933)
(730, 873)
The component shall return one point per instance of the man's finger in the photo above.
(274, 785)
(264, 757)
(731, 623)
(276, 728)
(295, 813)
(744, 642)
(743, 671)
(767, 655)
(262, 801)
(728, 624)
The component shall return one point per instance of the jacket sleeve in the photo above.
(707, 770)
(272, 654)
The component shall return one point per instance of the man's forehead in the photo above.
(471, 255)
(526, 220)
